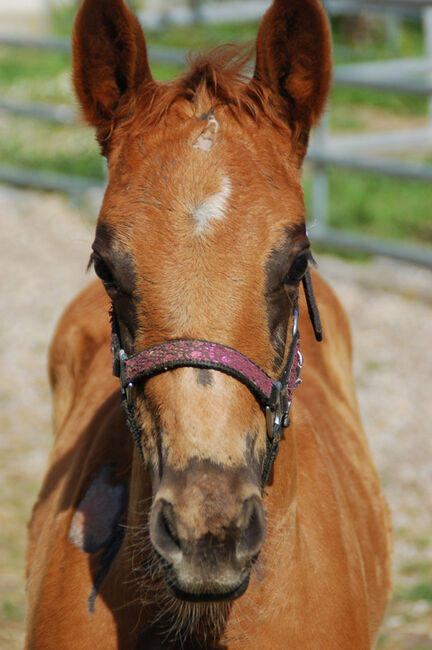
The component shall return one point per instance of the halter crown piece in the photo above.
(275, 397)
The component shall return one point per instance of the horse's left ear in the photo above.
(293, 60)
(109, 61)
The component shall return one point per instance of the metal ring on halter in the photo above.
(300, 360)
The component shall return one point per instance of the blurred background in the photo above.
(369, 200)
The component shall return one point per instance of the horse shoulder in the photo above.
(84, 491)
(338, 485)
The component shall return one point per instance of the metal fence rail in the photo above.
(50, 181)
(348, 152)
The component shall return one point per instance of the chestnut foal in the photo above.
(170, 523)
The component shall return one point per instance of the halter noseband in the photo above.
(275, 397)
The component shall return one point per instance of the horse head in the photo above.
(201, 236)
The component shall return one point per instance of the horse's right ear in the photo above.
(109, 61)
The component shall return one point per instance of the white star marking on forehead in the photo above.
(212, 208)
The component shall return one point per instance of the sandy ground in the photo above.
(44, 248)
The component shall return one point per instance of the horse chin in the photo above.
(208, 595)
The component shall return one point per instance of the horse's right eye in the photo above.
(103, 272)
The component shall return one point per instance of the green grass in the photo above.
(65, 149)
(39, 76)
(420, 591)
(38, 65)
(12, 612)
(203, 36)
(377, 205)
(400, 104)
(27, 75)
(378, 45)
(417, 567)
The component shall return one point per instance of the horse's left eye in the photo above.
(297, 270)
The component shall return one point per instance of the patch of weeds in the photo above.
(372, 365)
(422, 542)
(45, 77)
(376, 205)
(17, 63)
(62, 16)
(419, 567)
(382, 642)
(376, 45)
(202, 36)
(12, 612)
(64, 149)
(379, 206)
(397, 103)
(421, 591)
(344, 117)
(403, 532)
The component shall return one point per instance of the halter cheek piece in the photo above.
(275, 397)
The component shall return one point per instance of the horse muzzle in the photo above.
(207, 536)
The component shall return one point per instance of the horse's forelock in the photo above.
(214, 78)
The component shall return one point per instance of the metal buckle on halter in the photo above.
(275, 412)
(128, 388)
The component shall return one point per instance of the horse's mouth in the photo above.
(208, 596)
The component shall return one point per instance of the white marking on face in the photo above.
(213, 207)
(206, 139)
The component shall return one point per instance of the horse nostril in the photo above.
(163, 530)
(254, 530)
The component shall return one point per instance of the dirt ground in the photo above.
(44, 248)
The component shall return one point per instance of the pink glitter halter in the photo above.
(204, 354)
(274, 396)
